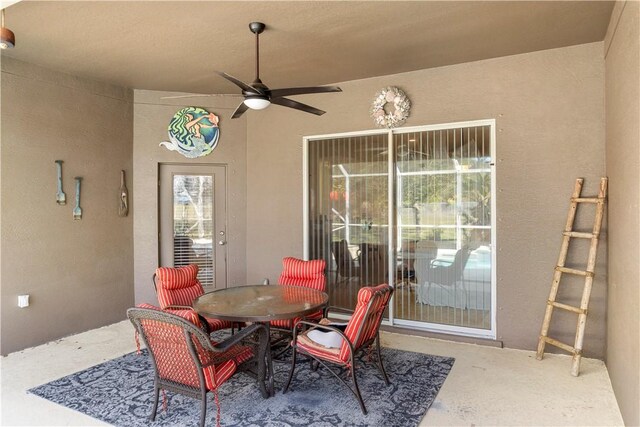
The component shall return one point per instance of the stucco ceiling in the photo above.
(175, 46)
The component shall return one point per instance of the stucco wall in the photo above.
(79, 273)
(549, 108)
(152, 113)
(622, 76)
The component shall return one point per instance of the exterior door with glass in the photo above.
(192, 214)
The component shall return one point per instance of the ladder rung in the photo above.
(577, 310)
(578, 234)
(574, 271)
(561, 345)
(587, 199)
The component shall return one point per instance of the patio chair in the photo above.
(177, 287)
(186, 361)
(345, 263)
(437, 283)
(361, 334)
(298, 272)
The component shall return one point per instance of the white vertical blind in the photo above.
(443, 198)
(193, 224)
(349, 212)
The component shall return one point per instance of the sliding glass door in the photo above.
(349, 212)
(443, 198)
(412, 207)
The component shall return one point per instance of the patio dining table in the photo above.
(262, 304)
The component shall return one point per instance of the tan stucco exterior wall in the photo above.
(549, 108)
(622, 71)
(79, 273)
(152, 113)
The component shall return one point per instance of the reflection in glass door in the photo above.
(412, 207)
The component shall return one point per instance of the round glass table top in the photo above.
(260, 303)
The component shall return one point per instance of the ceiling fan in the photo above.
(258, 96)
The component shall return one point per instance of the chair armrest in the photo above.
(326, 328)
(312, 325)
(335, 308)
(441, 263)
(203, 320)
(237, 338)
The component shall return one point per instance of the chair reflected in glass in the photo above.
(347, 266)
(440, 282)
(374, 265)
(361, 334)
(186, 361)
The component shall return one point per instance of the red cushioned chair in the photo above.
(177, 287)
(361, 333)
(184, 358)
(297, 272)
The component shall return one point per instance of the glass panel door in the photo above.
(427, 229)
(192, 220)
(349, 213)
(443, 197)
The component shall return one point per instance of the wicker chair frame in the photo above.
(349, 366)
(256, 335)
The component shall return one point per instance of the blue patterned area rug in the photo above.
(120, 392)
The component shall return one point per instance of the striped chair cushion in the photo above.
(288, 323)
(178, 286)
(284, 323)
(224, 364)
(217, 324)
(168, 345)
(297, 272)
(189, 315)
(192, 316)
(169, 348)
(365, 321)
(318, 350)
(309, 274)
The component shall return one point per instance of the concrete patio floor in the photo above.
(487, 386)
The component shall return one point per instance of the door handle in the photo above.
(222, 242)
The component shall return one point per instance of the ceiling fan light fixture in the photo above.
(7, 38)
(257, 96)
(257, 102)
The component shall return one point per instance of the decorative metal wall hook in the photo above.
(61, 198)
(123, 209)
(77, 211)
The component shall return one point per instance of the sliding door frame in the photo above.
(392, 229)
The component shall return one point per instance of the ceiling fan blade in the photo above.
(196, 95)
(304, 90)
(240, 110)
(242, 85)
(285, 102)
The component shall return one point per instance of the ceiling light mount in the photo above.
(257, 27)
(7, 38)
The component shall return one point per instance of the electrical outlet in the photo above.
(23, 301)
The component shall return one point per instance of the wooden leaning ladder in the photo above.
(588, 274)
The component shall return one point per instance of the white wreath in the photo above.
(401, 106)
